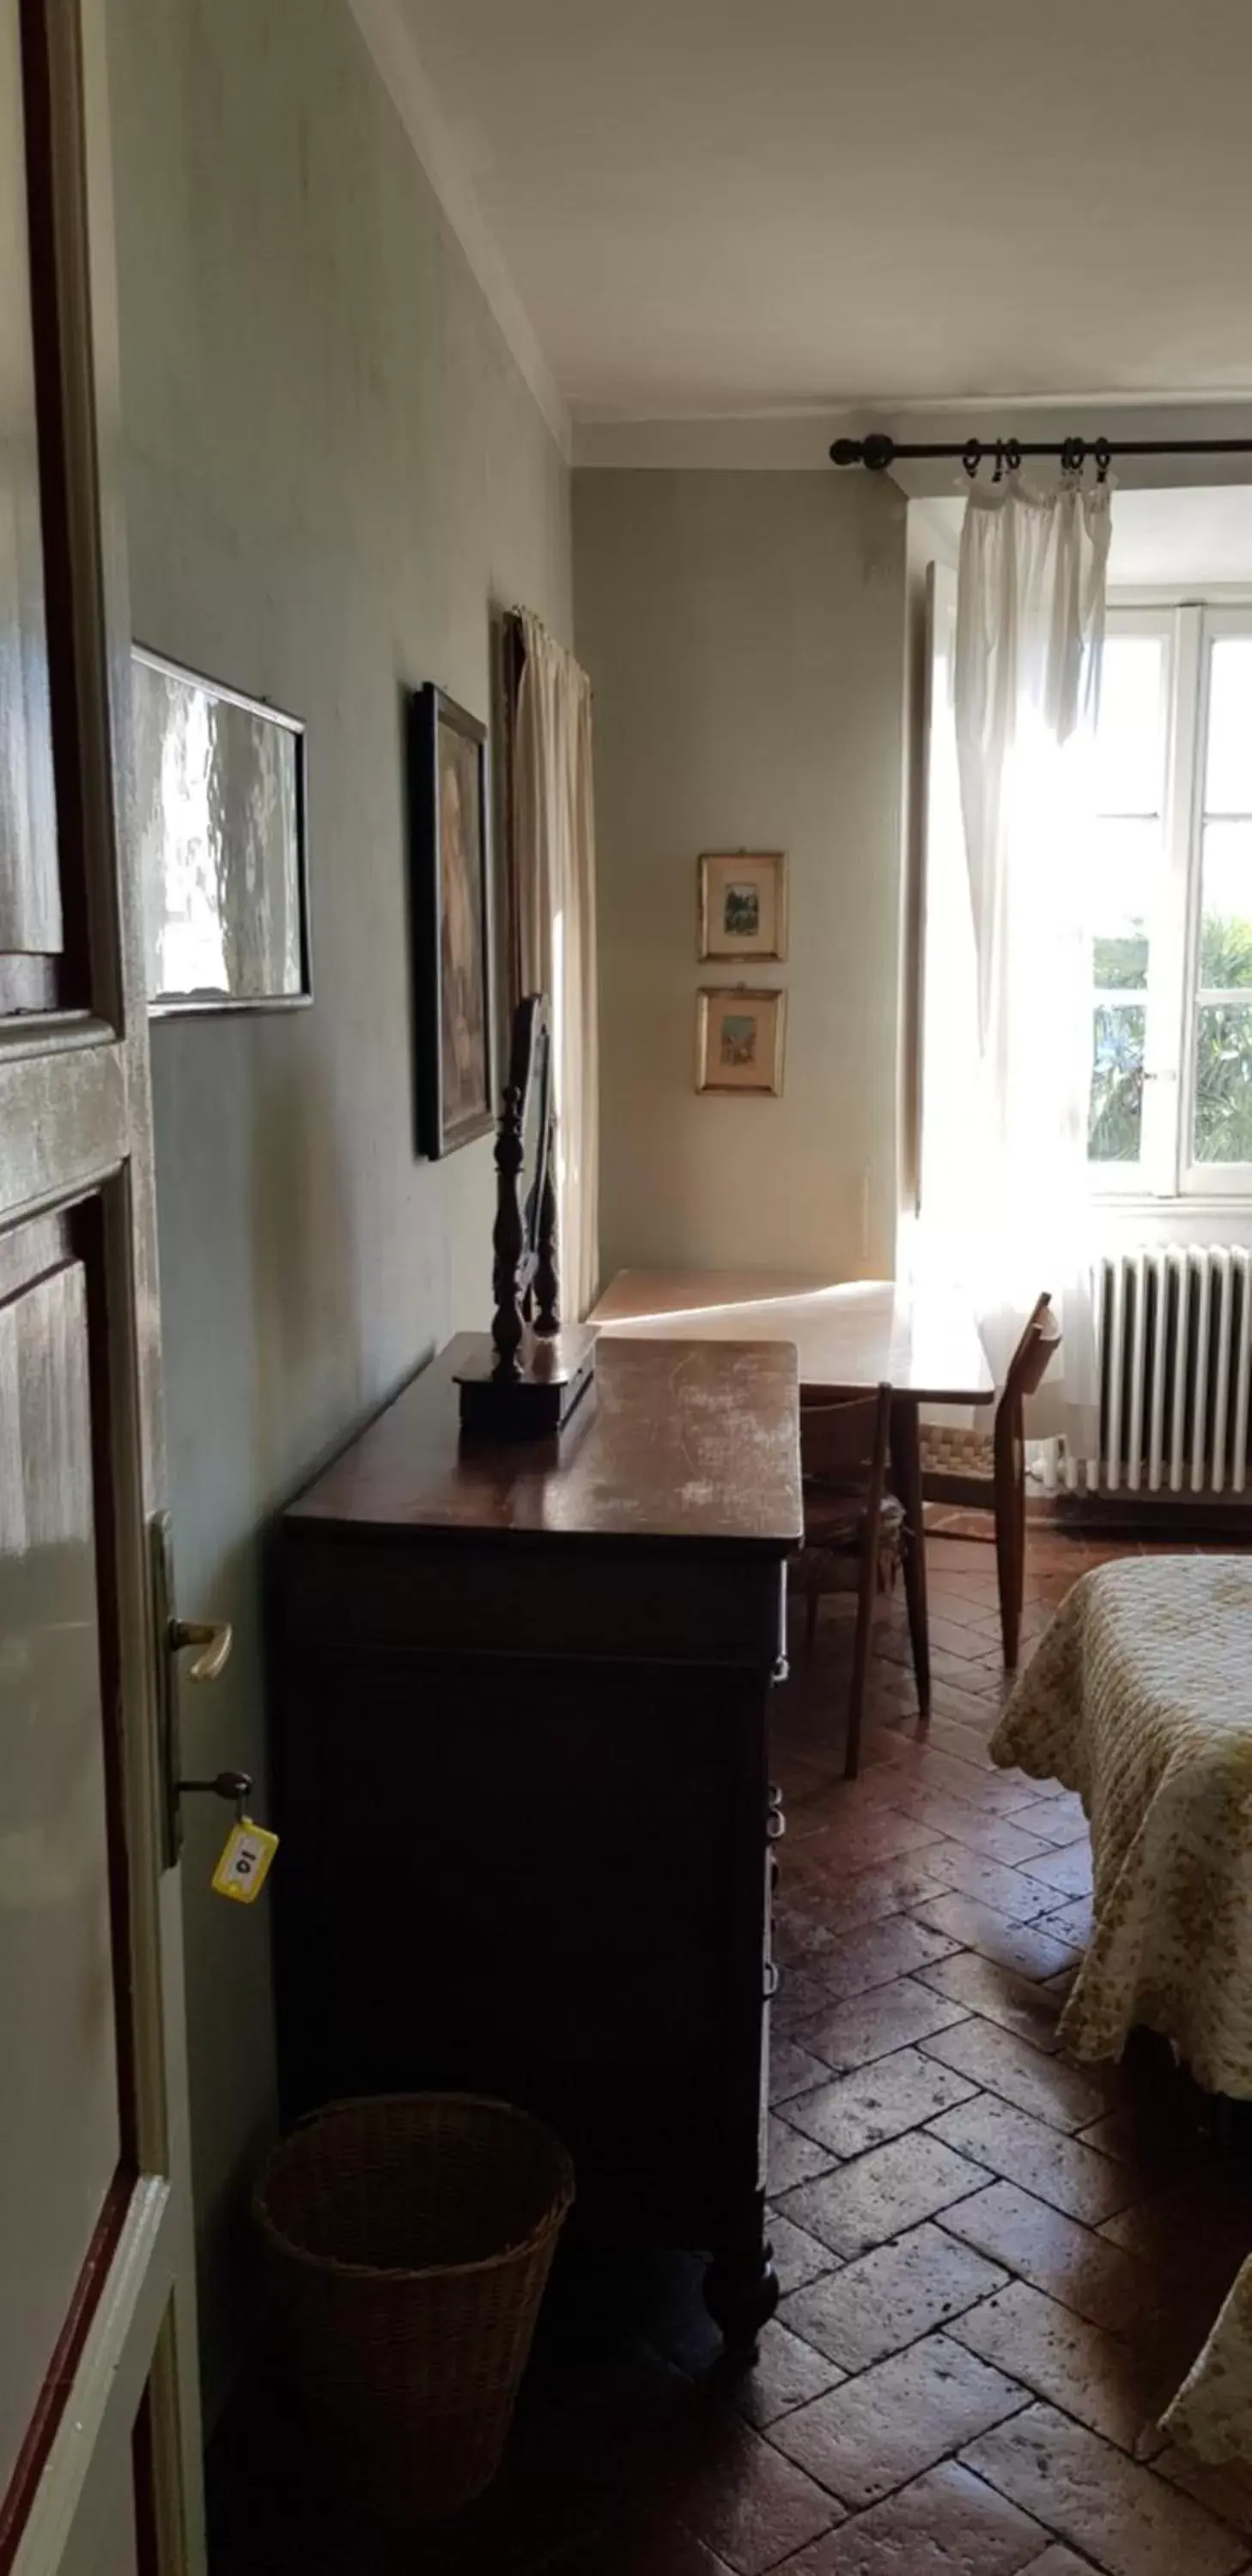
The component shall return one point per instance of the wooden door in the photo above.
(99, 2436)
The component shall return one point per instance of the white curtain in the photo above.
(554, 914)
(1005, 1189)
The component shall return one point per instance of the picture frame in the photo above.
(450, 836)
(740, 1039)
(219, 818)
(742, 904)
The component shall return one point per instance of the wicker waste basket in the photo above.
(411, 2238)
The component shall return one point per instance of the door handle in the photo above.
(212, 1639)
(216, 1636)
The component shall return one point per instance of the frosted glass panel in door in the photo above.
(112, 2544)
(30, 895)
(60, 2131)
(120, 2552)
(120, 2555)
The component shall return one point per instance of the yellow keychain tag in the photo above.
(244, 1866)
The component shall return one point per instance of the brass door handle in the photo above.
(215, 1636)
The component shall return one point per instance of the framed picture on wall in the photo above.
(739, 1040)
(218, 786)
(743, 904)
(451, 891)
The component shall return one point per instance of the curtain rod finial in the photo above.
(876, 451)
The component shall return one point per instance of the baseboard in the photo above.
(1177, 1519)
(1173, 1520)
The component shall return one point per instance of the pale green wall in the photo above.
(333, 471)
(745, 635)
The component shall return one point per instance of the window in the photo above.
(1171, 911)
(1126, 868)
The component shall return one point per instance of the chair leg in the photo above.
(866, 1591)
(906, 1467)
(1011, 1559)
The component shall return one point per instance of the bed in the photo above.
(1140, 1698)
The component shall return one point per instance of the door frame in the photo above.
(76, 1122)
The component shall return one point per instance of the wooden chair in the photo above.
(986, 1470)
(848, 1513)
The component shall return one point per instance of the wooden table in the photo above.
(850, 1334)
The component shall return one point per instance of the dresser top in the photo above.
(673, 1440)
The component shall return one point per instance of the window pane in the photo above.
(1130, 739)
(1228, 777)
(1116, 1116)
(1124, 863)
(1223, 1084)
(1121, 964)
(1226, 915)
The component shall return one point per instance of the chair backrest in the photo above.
(1033, 1355)
(843, 1439)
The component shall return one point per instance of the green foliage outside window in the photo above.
(1116, 1114)
(1223, 1070)
(1122, 964)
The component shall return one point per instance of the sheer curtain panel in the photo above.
(554, 925)
(1008, 1015)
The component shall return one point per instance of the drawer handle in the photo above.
(773, 1979)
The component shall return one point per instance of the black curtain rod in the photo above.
(878, 451)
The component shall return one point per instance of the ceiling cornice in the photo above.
(391, 42)
(782, 441)
(787, 441)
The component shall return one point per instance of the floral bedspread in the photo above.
(1212, 2412)
(1140, 1698)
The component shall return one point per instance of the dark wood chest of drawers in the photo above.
(522, 1778)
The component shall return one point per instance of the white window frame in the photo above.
(1212, 1180)
(1153, 1175)
(1165, 1173)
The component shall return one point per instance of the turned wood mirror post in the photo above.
(523, 1380)
(524, 1272)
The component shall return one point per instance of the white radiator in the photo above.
(1174, 1332)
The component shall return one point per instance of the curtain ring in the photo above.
(1073, 455)
(1103, 455)
(971, 456)
(1013, 455)
(998, 476)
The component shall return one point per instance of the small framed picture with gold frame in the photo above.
(739, 1040)
(743, 904)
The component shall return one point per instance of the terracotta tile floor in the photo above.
(996, 2265)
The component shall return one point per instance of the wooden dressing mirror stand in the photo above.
(523, 1380)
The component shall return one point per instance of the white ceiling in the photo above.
(726, 207)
